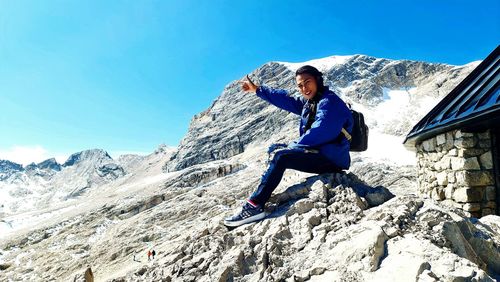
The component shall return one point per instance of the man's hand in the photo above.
(248, 85)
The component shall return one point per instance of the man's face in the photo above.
(307, 85)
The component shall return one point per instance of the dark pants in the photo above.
(297, 159)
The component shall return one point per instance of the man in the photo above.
(321, 148)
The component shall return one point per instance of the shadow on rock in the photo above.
(322, 189)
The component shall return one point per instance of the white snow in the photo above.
(11, 224)
(323, 64)
(388, 148)
(100, 231)
(147, 181)
(395, 101)
(396, 107)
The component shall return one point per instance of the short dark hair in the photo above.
(318, 76)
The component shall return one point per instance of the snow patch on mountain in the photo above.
(389, 121)
(322, 64)
(386, 148)
(11, 224)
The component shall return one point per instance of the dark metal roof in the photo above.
(473, 105)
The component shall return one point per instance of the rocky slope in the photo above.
(367, 224)
(321, 228)
(327, 229)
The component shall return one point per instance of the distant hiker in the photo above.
(149, 255)
(89, 276)
(321, 147)
(153, 253)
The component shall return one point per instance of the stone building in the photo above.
(458, 143)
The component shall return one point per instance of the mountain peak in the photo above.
(50, 164)
(92, 154)
(8, 168)
(8, 165)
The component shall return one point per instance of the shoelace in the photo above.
(247, 211)
(245, 214)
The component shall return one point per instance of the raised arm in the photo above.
(277, 97)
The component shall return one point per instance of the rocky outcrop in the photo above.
(50, 164)
(8, 168)
(45, 170)
(110, 171)
(198, 175)
(324, 230)
(95, 155)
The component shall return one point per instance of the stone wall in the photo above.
(457, 166)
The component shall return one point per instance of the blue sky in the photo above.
(126, 76)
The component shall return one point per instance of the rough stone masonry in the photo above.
(457, 167)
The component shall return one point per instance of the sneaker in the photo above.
(248, 213)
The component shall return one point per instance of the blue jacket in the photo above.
(325, 133)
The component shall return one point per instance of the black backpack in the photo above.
(359, 134)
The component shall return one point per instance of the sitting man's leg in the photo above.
(297, 159)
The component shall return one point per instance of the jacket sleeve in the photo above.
(280, 99)
(330, 117)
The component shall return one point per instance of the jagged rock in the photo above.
(349, 246)
(473, 240)
(95, 154)
(8, 168)
(319, 192)
(303, 206)
(377, 196)
(198, 175)
(410, 257)
(112, 171)
(50, 164)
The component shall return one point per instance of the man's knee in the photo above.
(276, 146)
(282, 155)
(277, 155)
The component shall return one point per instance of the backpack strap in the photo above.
(312, 115)
(346, 134)
(344, 131)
